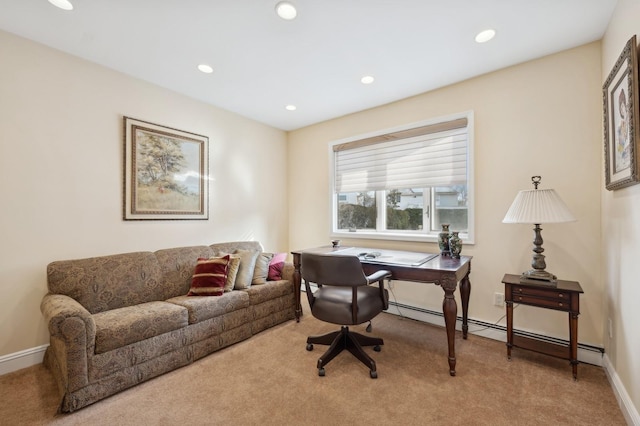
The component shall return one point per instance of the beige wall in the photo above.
(621, 235)
(538, 118)
(61, 166)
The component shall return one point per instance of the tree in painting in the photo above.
(159, 160)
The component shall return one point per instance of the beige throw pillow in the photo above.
(232, 272)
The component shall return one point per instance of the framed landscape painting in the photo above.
(166, 172)
(620, 104)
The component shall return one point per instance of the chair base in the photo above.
(351, 341)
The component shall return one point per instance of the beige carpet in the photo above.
(271, 379)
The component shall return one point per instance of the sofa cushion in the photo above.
(204, 308)
(247, 266)
(261, 270)
(276, 265)
(108, 282)
(131, 324)
(209, 276)
(271, 290)
(177, 268)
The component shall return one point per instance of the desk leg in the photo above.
(465, 292)
(450, 311)
(297, 282)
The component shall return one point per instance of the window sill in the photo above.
(393, 236)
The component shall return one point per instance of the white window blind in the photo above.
(433, 155)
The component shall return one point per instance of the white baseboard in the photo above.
(629, 411)
(586, 354)
(23, 359)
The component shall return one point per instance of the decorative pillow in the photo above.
(262, 269)
(232, 272)
(275, 266)
(247, 265)
(209, 276)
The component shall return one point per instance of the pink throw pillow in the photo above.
(275, 266)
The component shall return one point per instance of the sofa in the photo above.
(119, 320)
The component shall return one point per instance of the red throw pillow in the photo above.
(209, 277)
(275, 266)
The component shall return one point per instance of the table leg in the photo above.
(509, 304)
(450, 311)
(573, 342)
(465, 292)
(297, 282)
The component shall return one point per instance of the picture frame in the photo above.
(620, 106)
(166, 173)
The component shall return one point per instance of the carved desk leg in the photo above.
(297, 281)
(450, 311)
(465, 292)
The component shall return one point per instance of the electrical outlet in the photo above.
(610, 329)
(391, 284)
(498, 299)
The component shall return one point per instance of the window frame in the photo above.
(394, 235)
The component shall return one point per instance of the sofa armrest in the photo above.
(66, 318)
(73, 336)
(287, 271)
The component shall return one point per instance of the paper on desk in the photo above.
(390, 257)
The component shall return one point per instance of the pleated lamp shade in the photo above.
(538, 206)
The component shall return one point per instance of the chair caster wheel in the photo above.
(373, 374)
(377, 348)
(309, 346)
(321, 372)
(369, 327)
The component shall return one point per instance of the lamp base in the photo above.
(539, 276)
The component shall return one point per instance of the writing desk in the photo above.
(444, 271)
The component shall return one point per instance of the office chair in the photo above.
(343, 297)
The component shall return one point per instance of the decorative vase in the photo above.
(455, 245)
(443, 240)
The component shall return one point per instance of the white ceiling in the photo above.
(262, 63)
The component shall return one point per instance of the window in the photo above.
(405, 183)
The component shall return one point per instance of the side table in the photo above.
(565, 296)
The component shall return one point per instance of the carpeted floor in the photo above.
(271, 379)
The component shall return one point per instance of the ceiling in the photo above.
(262, 63)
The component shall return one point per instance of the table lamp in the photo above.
(538, 206)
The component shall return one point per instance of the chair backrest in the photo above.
(336, 270)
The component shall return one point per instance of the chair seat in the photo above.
(333, 304)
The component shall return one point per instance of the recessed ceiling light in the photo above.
(290, 108)
(205, 68)
(286, 10)
(62, 4)
(485, 36)
(367, 79)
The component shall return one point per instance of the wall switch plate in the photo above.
(498, 299)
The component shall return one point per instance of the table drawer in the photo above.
(544, 302)
(550, 293)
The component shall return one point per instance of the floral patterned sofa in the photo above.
(116, 321)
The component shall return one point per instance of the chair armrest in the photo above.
(64, 315)
(378, 275)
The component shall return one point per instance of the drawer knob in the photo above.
(560, 304)
(560, 295)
